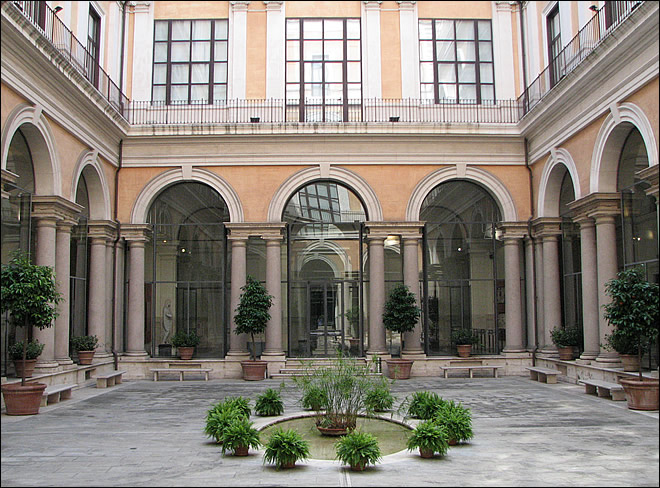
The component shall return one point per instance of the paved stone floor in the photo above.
(142, 433)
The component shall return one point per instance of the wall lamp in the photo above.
(254, 119)
(394, 118)
(58, 9)
(593, 8)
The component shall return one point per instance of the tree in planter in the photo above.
(29, 293)
(401, 315)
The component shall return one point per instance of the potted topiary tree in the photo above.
(633, 312)
(25, 367)
(401, 315)
(252, 318)
(566, 339)
(185, 343)
(29, 293)
(85, 346)
(626, 345)
(464, 338)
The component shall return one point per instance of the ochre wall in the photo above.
(454, 10)
(191, 10)
(647, 99)
(9, 99)
(323, 9)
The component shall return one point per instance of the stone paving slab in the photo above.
(145, 433)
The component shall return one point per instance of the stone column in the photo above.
(412, 340)
(538, 298)
(136, 236)
(512, 235)
(376, 295)
(549, 231)
(118, 338)
(63, 273)
(109, 292)
(237, 343)
(100, 232)
(530, 278)
(589, 268)
(274, 345)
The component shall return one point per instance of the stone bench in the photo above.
(470, 369)
(543, 375)
(603, 389)
(158, 371)
(110, 379)
(55, 393)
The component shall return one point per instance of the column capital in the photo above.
(406, 230)
(135, 232)
(650, 175)
(239, 5)
(406, 4)
(54, 207)
(513, 230)
(372, 4)
(102, 229)
(597, 205)
(547, 226)
(273, 6)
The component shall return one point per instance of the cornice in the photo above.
(407, 230)
(135, 232)
(596, 205)
(513, 230)
(54, 207)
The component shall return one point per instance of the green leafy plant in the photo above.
(29, 293)
(218, 419)
(185, 339)
(565, 336)
(401, 311)
(84, 343)
(379, 398)
(457, 420)
(33, 351)
(622, 342)
(353, 317)
(285, 447)
(421, 405)
(252, 313)
(429, 436)
(240, 433)
(269, 403)
(313, 397)
(358, 449)
(633, 311)
(464, 337)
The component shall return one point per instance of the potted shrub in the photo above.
(457, 420)
(223, 414)
(85, 346)
(423, 405)
(566, 339)
(464, 338)
(239, 436)
(633, 313)
(313, 397)
(25, 367)
(269, 403)
(358, 449)
(379, 398)
(401, 315)
(185, 343)
(252, 318)
(429, 437)
(285, 447)
(624, 344)
(29, 294)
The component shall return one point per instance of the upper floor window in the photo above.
(323, 69)
(93, 46)
(456, 60)
(554, 45)
(190, 61)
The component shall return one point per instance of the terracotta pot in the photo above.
(254, 370)
(399, 369)
(332, 431)
(452, 442)
(425, 453)
(241, 451)
(464, 350)
(641, 395)
(288, 465)
(359, 467)
(186, 352)
(630, 362)
(23, 400)
(29, 365)
(85, 357)
(566, 353)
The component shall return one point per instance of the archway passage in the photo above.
(463, 267)
(324, 233)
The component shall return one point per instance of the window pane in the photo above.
(201, 51)
(487, 92)
(220, 51)
(486, 73)
(292, 91)
(292, 50)
(467, 73)
(312, 50)
(220, 73)
(354, 92)
(426, 92)
(333, 29)
(465, 51)
(181, 51)
(161, 28)
(484, 30)
(160, 74)
(160, 52)
(159, 94)
(444, 29)
(334, 92)
(446, 73)
(221, 29)
(199, 93)
(334, 50)
(292, 29)
(293, 72)
(353, 73)
(333, 72)
(353, 29)
(200, 73)
(312, 29)
(353, 50)
(464, 29)
(467, 92)
(313, 92)
(219, 92)
(426, 72)
(447, 92)
(485, 51)
(180, 73)
(425, 29)
(180, 30)
(313, 72)
(201, 30)
(426, 51)
(179, 93)
(445, 51)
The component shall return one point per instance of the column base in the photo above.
(237, 356)
(610, 359)
(47, 367)
(514, 350)
(588, 356)
(136, 354)
(549, 352)
(65, 362)
(414, 355)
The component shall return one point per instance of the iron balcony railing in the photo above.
(284, 111)
(45, 19)
(590, 36)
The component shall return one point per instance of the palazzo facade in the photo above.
(499, 158)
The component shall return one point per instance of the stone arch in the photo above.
(551, 178)
(610, 139)
(498, 190)
(336, 173)
(37, 131)
(97, 186)
(153, 187)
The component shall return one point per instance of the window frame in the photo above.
(554, 41)
(93, 45)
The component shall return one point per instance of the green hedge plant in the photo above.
(285, 447)
(358, 449)
(84, 343)
(565, 336)
(464, 337)
(185, 339)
